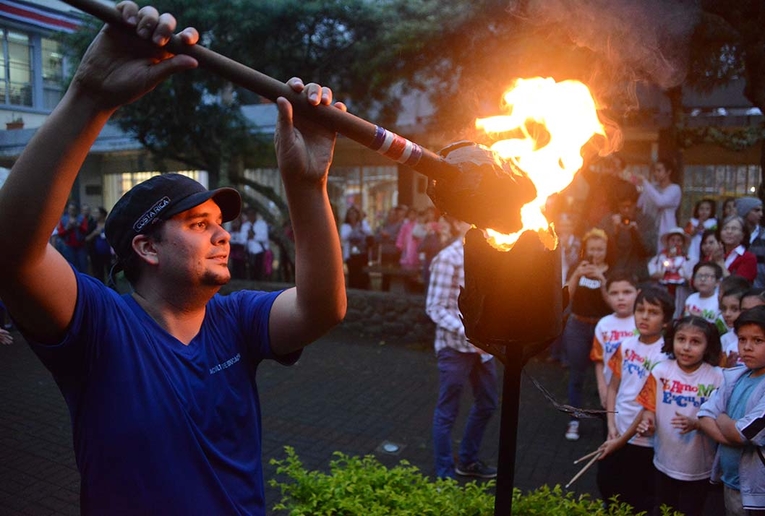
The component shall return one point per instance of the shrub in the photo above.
(364, 486)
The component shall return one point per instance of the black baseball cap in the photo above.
(160, 198)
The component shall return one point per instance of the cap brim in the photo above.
(228, 200)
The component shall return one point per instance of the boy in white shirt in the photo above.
(611, 330)
(704, 302)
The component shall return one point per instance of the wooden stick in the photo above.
(585, 468)
(580, 459)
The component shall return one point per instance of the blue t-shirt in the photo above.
(730, 456)
(160, 427)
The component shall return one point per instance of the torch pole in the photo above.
(508, 430)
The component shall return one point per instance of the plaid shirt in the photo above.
(447, 274)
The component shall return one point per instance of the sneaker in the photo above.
(476, 469)
(572, 431)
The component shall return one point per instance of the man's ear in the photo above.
(145, 249)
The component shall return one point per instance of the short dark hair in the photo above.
(737, 293)
(657, 296)
(714, 347)
(733, 282)
(712, 265)
(754, 316)
(668, 163)
(625, 192)
(621, 275)
(754, 292)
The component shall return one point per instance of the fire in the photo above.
(549, 122)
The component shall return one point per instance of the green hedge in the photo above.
(363, 486)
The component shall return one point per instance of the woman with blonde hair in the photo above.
(587, 291)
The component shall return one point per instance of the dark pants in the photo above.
(77, 256)
(388, 259)
(357, 278)
(455, 370)
(630, 474)
(685, 496)
(256, 266)
(238, 261)
(99, 265)
(577, 339)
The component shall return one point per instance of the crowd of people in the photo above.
(670, 316)
(79, 237)
(408, 239)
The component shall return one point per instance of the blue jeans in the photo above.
(577, 339)
(455, 369)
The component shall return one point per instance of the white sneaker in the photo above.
(572, 431)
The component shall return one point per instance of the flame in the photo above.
(549, 123)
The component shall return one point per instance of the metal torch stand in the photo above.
(508, 430)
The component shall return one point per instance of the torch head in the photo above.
(488, 192)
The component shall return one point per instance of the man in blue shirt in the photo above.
(160, 383)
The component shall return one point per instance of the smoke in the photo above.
(638, 39)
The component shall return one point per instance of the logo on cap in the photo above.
(151, 214)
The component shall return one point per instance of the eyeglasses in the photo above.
(704, 276)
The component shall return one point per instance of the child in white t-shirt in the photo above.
(704, 302)
(672, 396)
(611, 330)
(626, 461)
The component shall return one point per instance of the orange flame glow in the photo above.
(549, 122)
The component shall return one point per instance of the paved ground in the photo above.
(347, 393)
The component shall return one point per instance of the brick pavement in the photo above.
(348, 393)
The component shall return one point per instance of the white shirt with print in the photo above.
(632, 363)
(670, 391)
(706, 307)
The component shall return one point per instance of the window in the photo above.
(717, 182)
(52, 72)
(31, 70)
(16, 65)
(116, 185)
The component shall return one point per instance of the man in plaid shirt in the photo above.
(458, 362)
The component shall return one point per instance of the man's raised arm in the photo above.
(37, 284)
(318, 302)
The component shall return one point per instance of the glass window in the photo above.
(717, 181)
(52, 72)
(18, 69)
(116, 185)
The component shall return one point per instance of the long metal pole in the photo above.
(508, 430)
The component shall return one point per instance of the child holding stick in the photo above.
(626, 460)
(671, 396)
